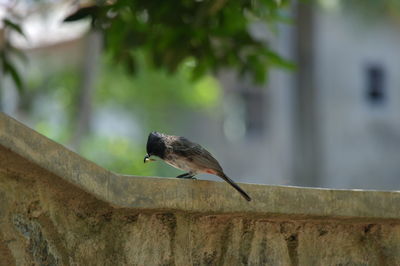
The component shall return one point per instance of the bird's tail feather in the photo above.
(234, 185)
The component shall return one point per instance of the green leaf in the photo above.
(82, 13)
(17, 52)
(9, 68)
(14, 26)
(278, 60)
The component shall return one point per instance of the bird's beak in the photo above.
(147, 158)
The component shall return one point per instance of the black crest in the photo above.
(155, 145)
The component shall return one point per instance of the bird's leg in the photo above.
(191, 176)
(186, 175)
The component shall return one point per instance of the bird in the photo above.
(186, 155)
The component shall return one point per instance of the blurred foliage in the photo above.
(155, 88)
(171, 47)
(373, 9)
(118, 154)
(213, 34)
(152, 86)
(8, 53)
(151, 97)
(148, 98)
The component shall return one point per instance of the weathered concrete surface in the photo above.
(57, 208)
(188, 195)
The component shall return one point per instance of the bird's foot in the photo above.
(183, 175)
(186, 176)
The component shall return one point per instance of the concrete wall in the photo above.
(56, 208)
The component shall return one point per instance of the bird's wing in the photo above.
(199, 156)
(195, 153)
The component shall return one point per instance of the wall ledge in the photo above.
(195, 196)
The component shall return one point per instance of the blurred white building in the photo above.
(333, 123)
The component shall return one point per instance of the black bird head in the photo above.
(155, 145)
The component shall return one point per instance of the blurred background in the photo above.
(300, 93)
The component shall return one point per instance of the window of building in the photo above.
(375, 84)
(254, 111)
(245, 113)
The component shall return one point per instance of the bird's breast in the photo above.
(180, 163)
